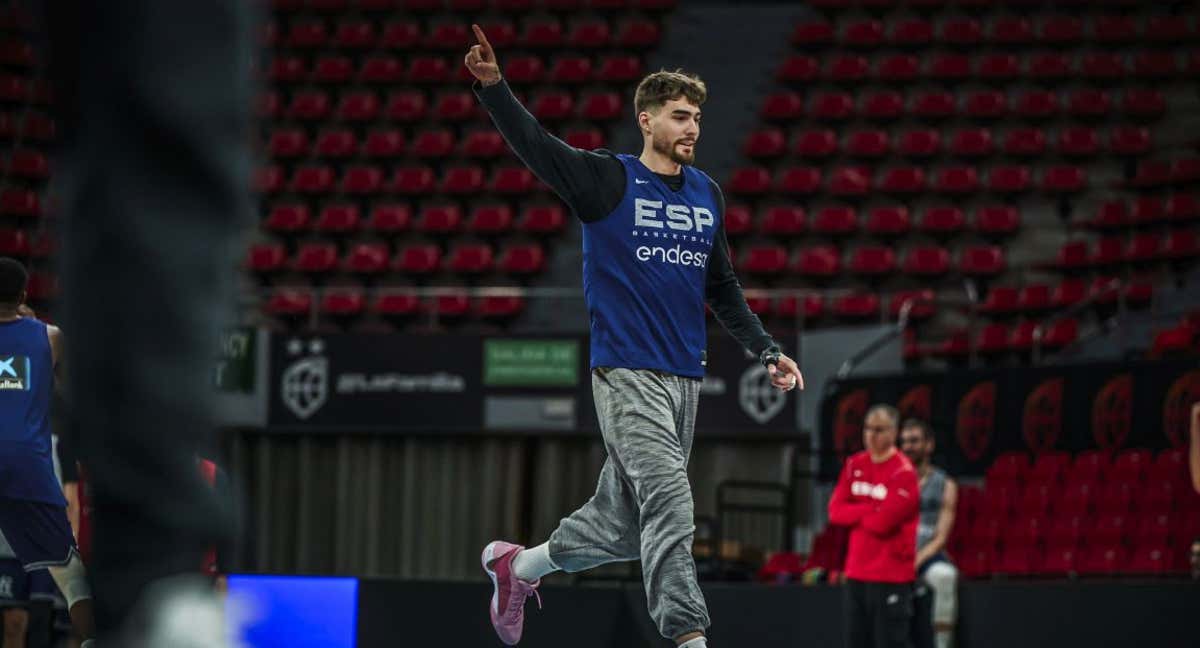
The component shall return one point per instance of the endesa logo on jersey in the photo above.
(671, 223)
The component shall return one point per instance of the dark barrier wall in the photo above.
(980, 413)
(993, 615)
(469, 384)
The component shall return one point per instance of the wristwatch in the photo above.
(770, 356)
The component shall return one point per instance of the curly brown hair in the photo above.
(660, 87)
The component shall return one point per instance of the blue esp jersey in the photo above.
(26, 386)
(644, 270)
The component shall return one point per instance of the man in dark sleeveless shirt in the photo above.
(937, 578)
(654, 253)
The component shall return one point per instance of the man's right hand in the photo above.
(481, 60)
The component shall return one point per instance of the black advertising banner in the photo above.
(736, 397)
(343, 382)
(977, 414)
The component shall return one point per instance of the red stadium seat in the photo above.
(782, 106)
(332, 69)
(941, 220)
(846, 69)
(571, 69)
(524, 69)
(263, 257)
(832, 106)
(771, 259)
(471, 258)
(1000, 300)
(337, 219)
(903, 180)
(798, 69)
(541, 33)
(1149, 559)
(306, 34)
(981, 260)
(290, 302)
(997, 220)
(396, 303)
(986, 104)
(428, 69)
(315, 258)
(355, 34)
(499, 307)
(287, 142)
(898, 68)
(1114, 28)
(816, 143)
(1007, 179)
(750, 180)
(872, 260)
(451, 306)
(1008, 467)
(958, 179)
(287, 69)
(439, 219)
(1167, 29)
(312, 180)
(884, 105)
(926, 260)
(522, 259)
(949, 67)
(820, 262)
(1170, 466)
(1063, 179)
(835, 221)
(1143, 103)
(1009, 30)
(976, 562)
(637, 33)
(1037, 104)
(588, 139)
(783, 220)
(287, 218)
(922, 303)
(1048, 66)
(462, 180)
(362, 179)
(737, 220)
(992, 338)
(1088, 103)
(862, 33)
(960, 31)
(19, 202)
(1060, 30)
(971, 142)
(407, 106)
(588, 34)
(999, 68)
(1131, 465)
(619, 69)
(919, 143)
(770, 142)
(935, 105)
(366, 258)
(1154, 64)
(1144, 247)
(911, 32)
(400, 35)
(1078, 141)
(338, 143)
(850, 181)
(13, 242)
(1050, 467)
(1059, 561)
(552, 106)
(511, 180)
(495, 218)
(602, 106)
(890, 220)
(418, 259)
(342, 302)
(799, 180)
(867, 143)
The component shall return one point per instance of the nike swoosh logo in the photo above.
(640, 181)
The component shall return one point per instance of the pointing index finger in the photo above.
(484, 45)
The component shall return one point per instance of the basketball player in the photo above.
(33, 511)
(654, 252)
(876, 496)
(936, 575)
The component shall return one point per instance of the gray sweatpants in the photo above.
(642, 508)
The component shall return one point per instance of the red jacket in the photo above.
(880, 502)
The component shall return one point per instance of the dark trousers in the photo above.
(922, 621)
(152, 178)
(878, 615)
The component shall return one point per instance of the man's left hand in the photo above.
(785, 375)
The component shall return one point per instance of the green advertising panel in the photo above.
(531, 363)
(235, 367)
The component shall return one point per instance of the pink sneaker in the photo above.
(508, 600)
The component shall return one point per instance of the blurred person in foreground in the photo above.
(878, 497)
(153, 181)
(1194, 449)
(33, 509)
(935, 595)
(654, 252)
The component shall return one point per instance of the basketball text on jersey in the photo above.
(14, 373)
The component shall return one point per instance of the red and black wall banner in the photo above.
(979, 413)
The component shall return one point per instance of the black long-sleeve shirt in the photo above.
(592, 183)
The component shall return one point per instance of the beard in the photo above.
(671, 149)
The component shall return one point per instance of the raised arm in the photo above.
(945, 523)
(591, 183)
(899, 506)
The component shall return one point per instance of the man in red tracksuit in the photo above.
(878, 498)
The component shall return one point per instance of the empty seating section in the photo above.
(905, 144)
(383, 173)
(1095, 513)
